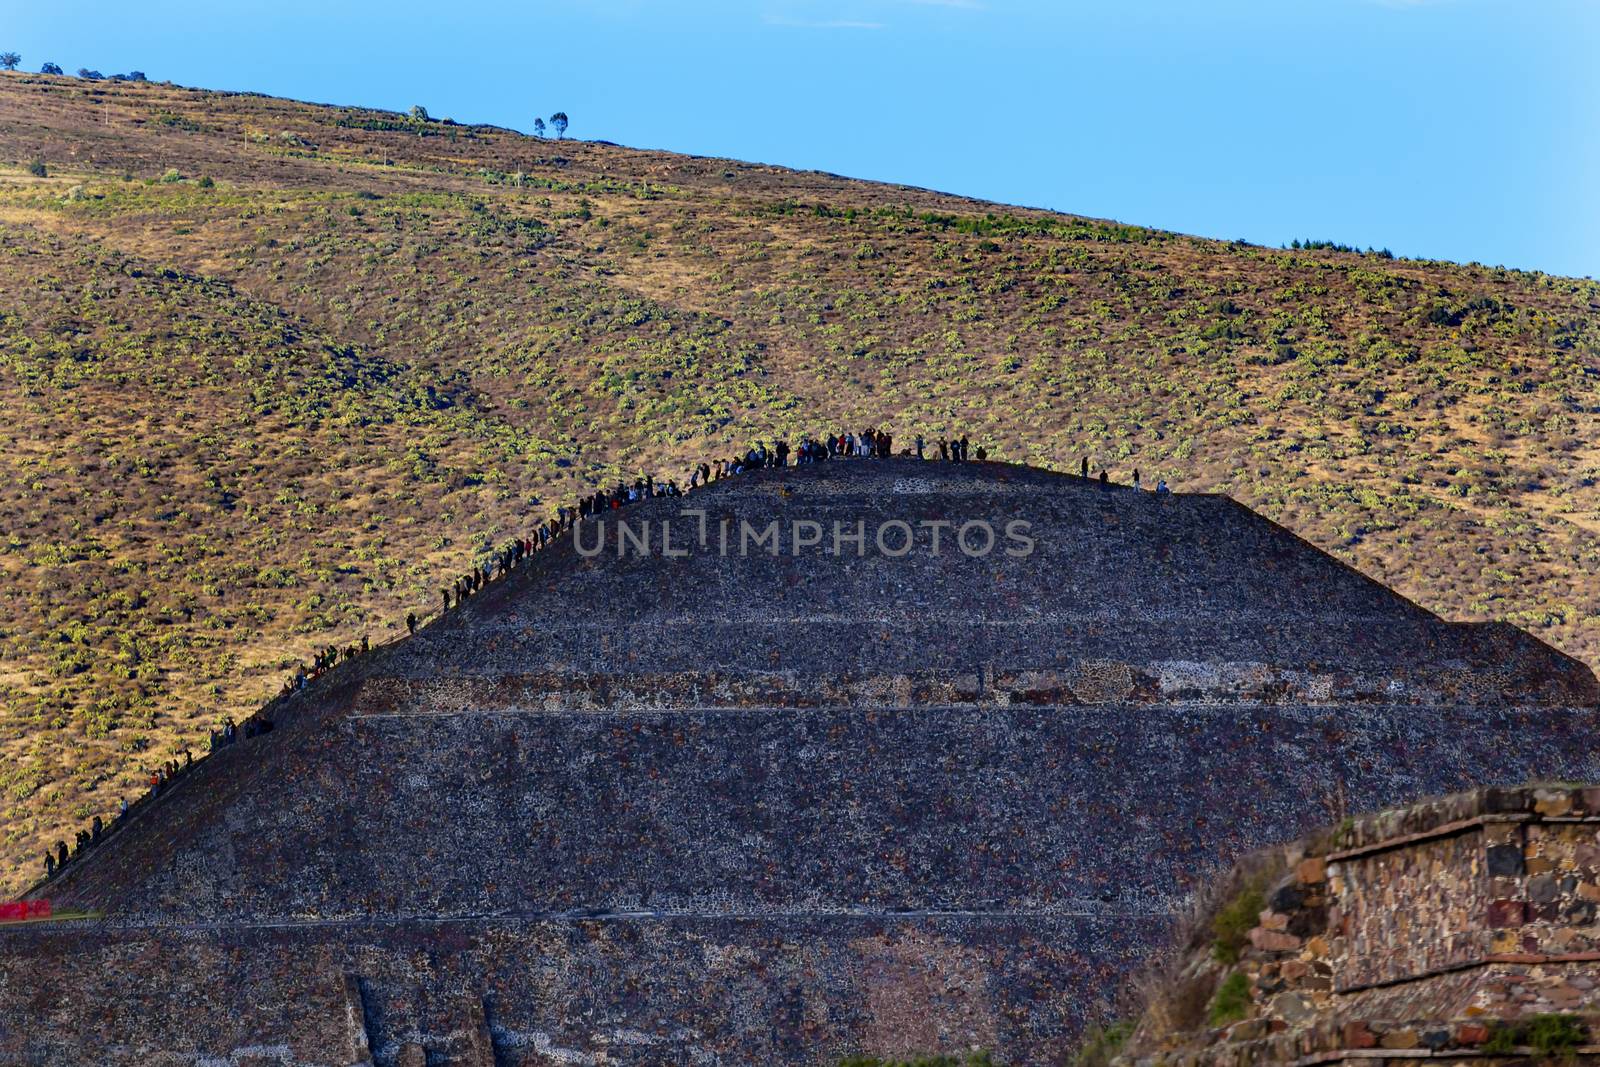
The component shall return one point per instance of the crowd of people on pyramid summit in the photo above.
(833, 446)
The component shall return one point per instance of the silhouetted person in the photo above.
(49, 864)
(411, 622)
(1105, 479)
(1084, 468)
(61, 854)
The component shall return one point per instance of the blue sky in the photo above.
(1458, 129)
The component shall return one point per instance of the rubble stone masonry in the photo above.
(1456, 930)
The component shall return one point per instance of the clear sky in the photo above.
(1458, 129)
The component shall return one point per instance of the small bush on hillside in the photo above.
(1102, 1043)
(50, 68)
(172, 175)
(38, 169)
(1232, 925)
(206, 182)
(1232, 1001)
(1335, 246)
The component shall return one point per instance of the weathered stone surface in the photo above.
(1504, 860)
(784, 808)
(1312, 871)
(1359, 1035)
(1404, 1038)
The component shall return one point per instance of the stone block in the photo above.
(1248, 1030)
(1552, 802)
(1504, 801)
(1293, 1009)
(1578, 912)
(1435, 1039)
(1543, 889)
(1312, 871)
(1273, 940)
(1359, 1035)
(1401, 1039)
(1504, 860)
(1506, 913)
(1308, 922)
(1288, 898)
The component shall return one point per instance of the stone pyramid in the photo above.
(775, 798)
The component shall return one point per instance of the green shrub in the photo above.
(172, 175)
(38, 169)
(1102, 1043)
(1502, 1041)
(1554, 1035)
(1232, 1001)
(1550, 1037)
(206, 182)
(1232, 925)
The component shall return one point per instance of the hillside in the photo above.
(275, 372)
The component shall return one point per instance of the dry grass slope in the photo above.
(272, 371)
